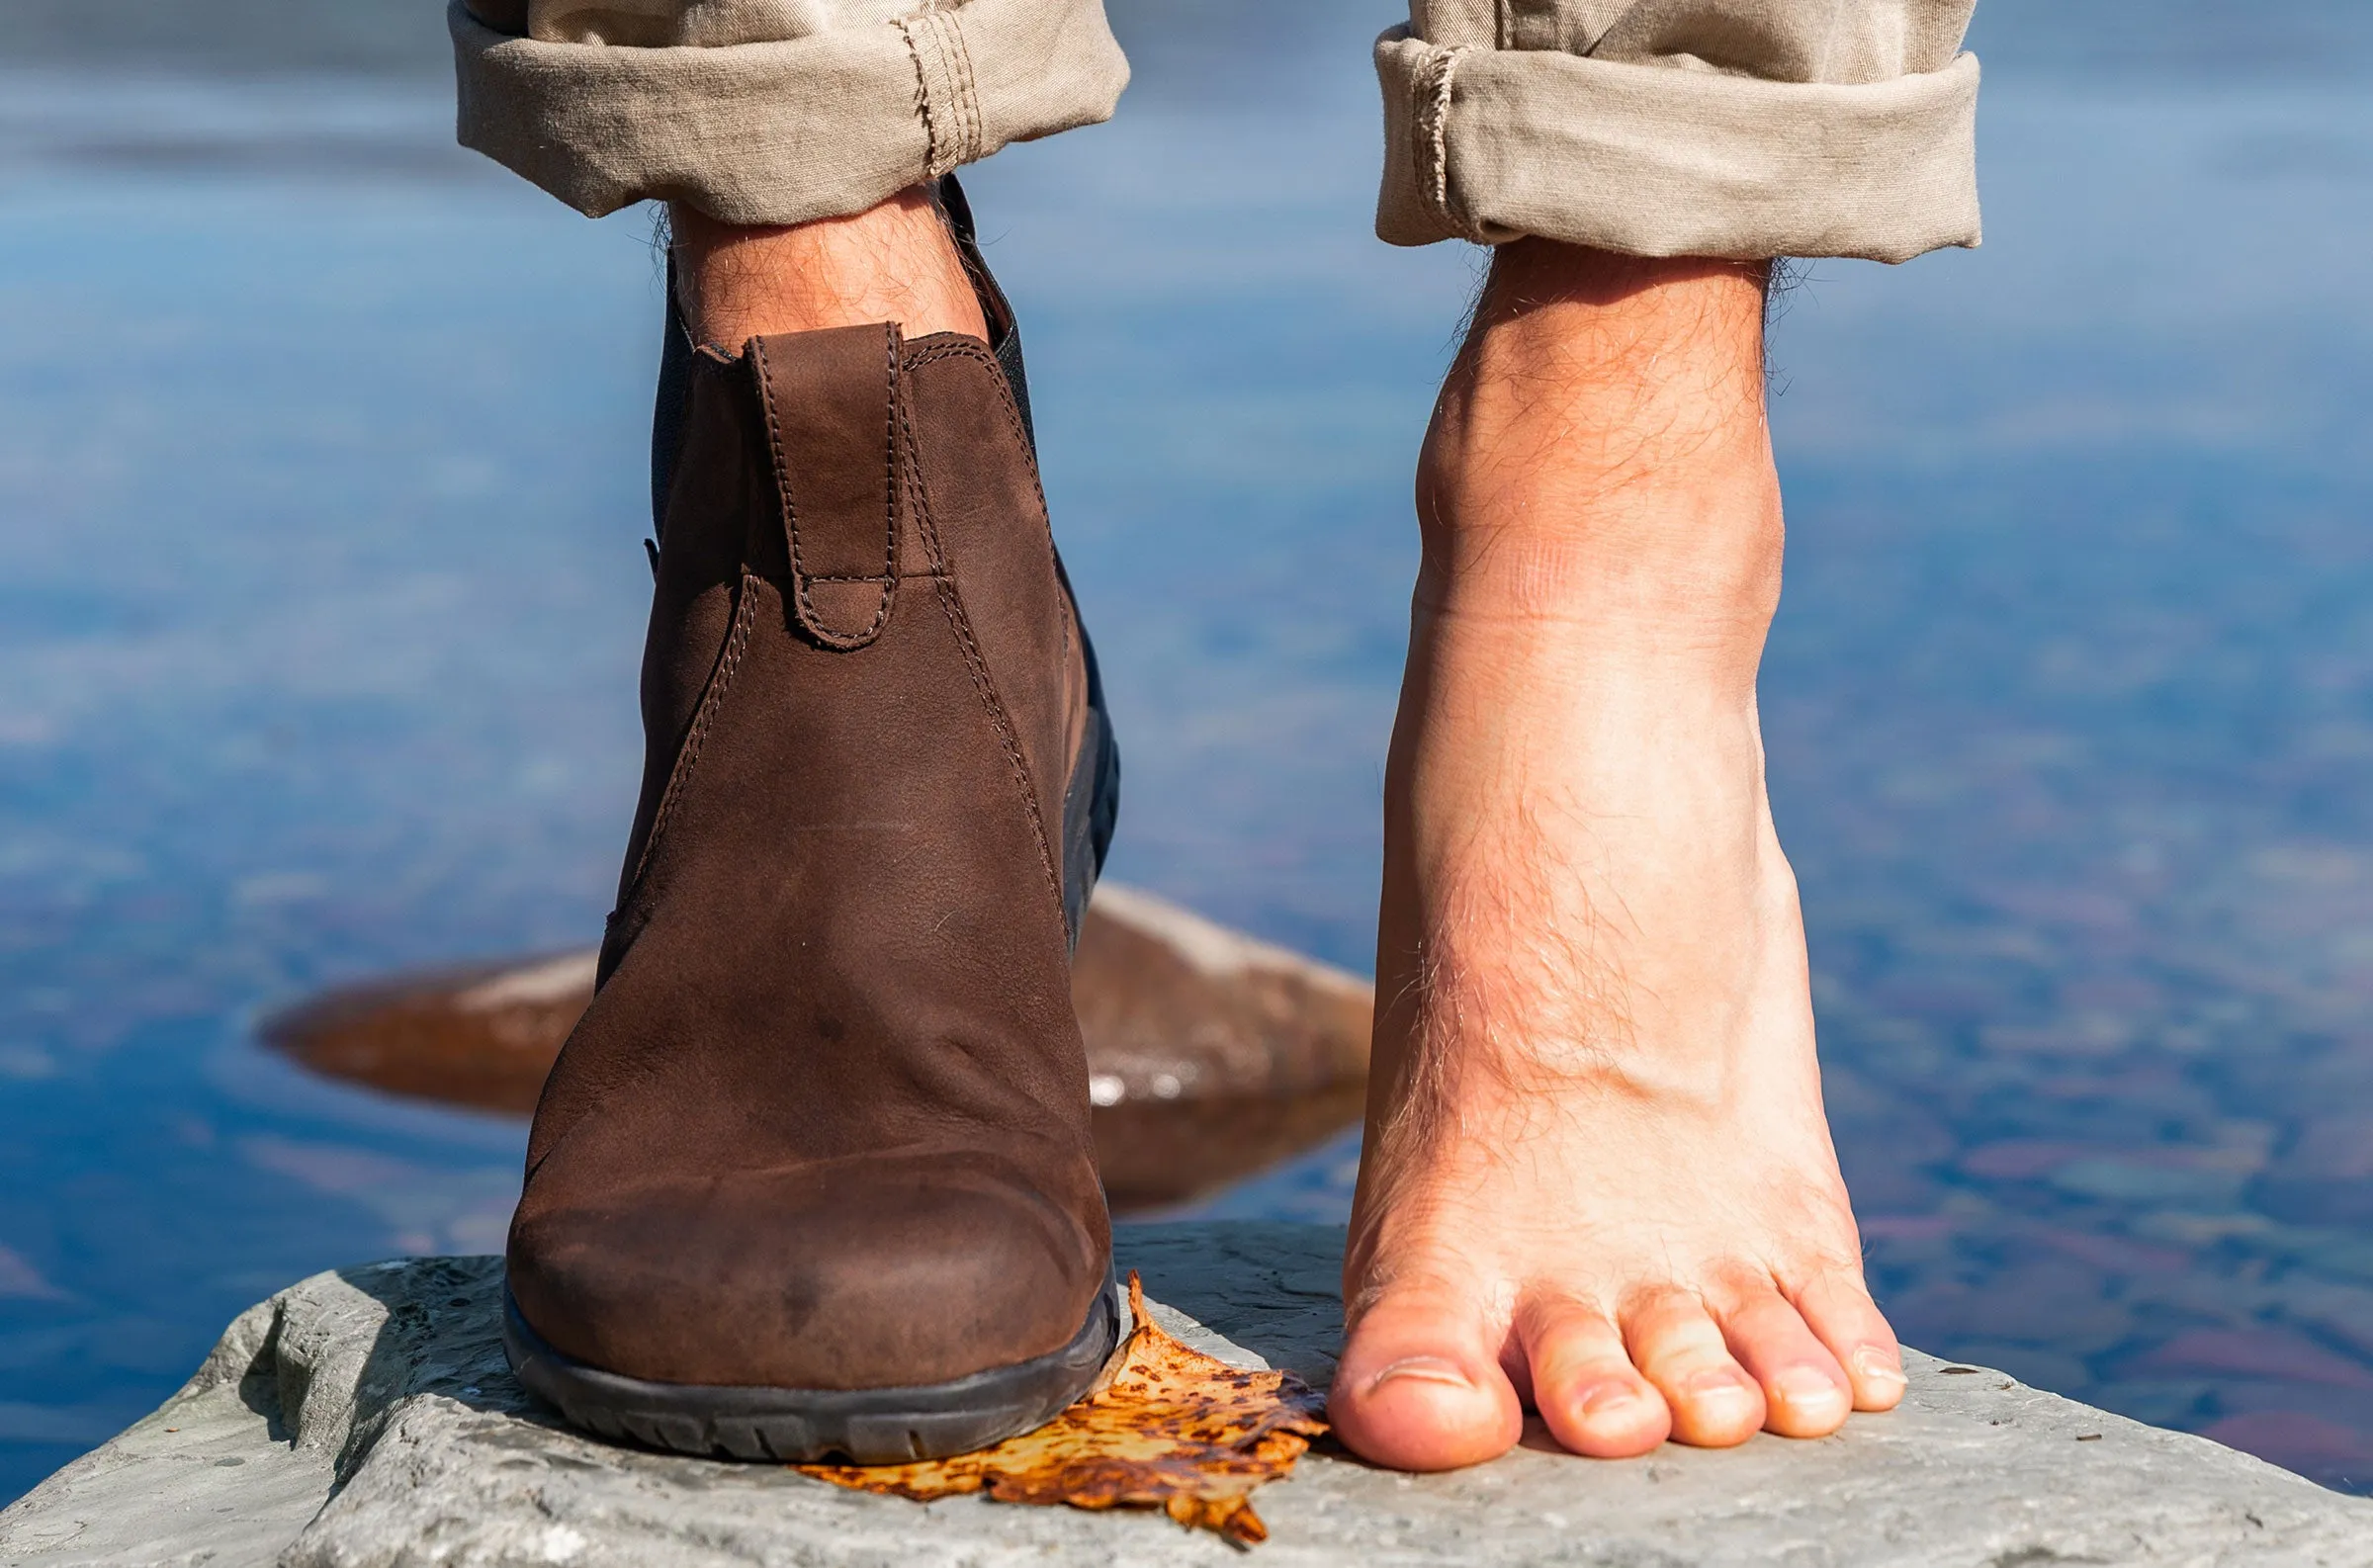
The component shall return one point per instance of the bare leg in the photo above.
(1598, 1178)
(895, 262)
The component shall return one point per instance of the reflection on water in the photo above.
(320, 597)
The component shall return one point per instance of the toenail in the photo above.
(1805, 1385)
(1424, 1369)
(1718, 1383)
(1877, 1366)
(1607, 1399)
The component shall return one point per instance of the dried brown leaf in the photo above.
(1171, 1429)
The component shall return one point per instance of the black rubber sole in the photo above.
(863, 1426)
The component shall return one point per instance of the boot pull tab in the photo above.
(831, 400)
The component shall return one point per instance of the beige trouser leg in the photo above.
(1743, 129)
(1663, 128)
(770, 110)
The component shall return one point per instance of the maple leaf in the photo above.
(1168, 1428)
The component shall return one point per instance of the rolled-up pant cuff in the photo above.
(1492, 144)
(784, 132)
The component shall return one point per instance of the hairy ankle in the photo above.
(1598, 453)
(1615, 367)
(895, 262)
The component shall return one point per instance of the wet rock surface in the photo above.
(365, 1417)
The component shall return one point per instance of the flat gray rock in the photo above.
(363, 1419)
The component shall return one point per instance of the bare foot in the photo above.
(1598, 1180)
(895, 262)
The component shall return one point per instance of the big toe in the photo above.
(1420, 1386)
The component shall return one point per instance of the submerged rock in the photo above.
(365, 1419)
(1210, 1055)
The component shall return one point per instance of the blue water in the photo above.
(321, 594)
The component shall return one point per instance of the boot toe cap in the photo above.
(875, 1272)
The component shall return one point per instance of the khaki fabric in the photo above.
(770, 110)
(1741, 129)
(1744, 129)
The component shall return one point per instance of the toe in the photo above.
(1837, 1306)
(1420, 1386)
(1676, 1346)
(1593, 1399)
(1804, 1391)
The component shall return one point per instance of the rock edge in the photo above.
(365, 1419)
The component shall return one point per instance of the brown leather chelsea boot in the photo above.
(813, 1174)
